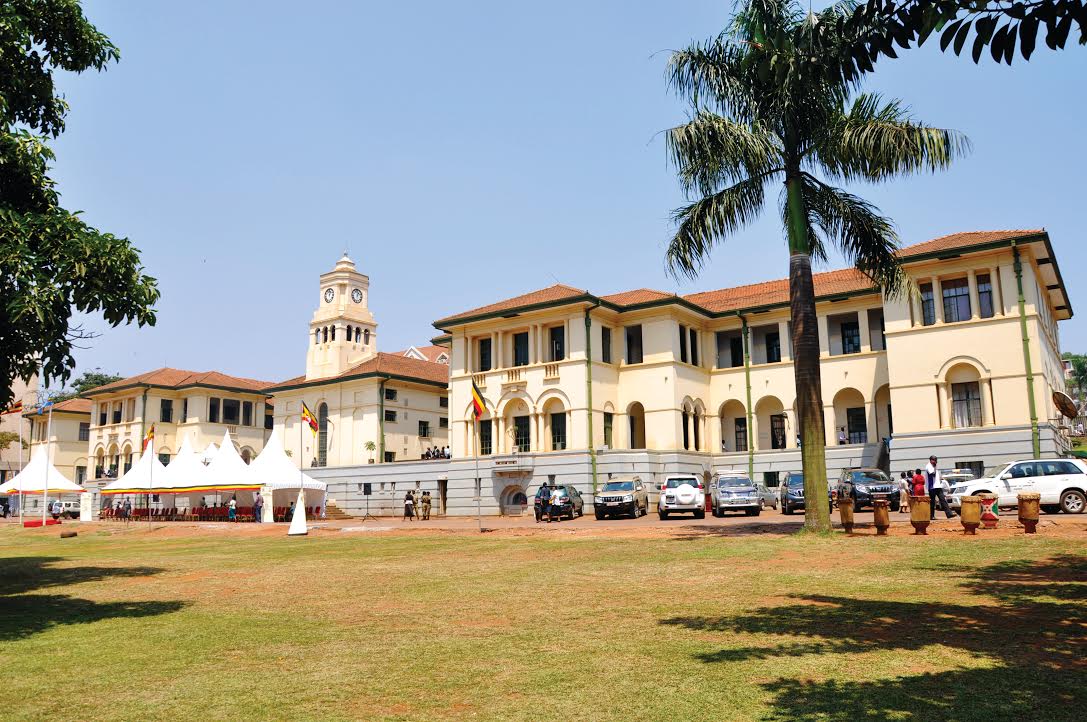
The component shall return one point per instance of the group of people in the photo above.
(547, 504)
(417, 505)
(437, 452)
(925, 482)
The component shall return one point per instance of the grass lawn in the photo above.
(218, 625)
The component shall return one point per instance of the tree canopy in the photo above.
(52, 263)
(85, 382)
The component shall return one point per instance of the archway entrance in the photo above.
(513, 500)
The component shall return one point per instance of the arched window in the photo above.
(333, 334)
(349, 333)
(322, 435)
(358, 334)
(366, 337)
(324, 334)
(316, 336)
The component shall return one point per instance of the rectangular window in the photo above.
(558, 431)
(966, 404)
(634, 344)
(390, 415)
(80, 475)
(856, 425)
(977, 467)
(777, 431)
(390, 394)
(390, 457)
(557, 342)
(424, 429)
(184, 410)
(443, 402)
(609, 422)
(741, 434)
(771, 479)
(231, 411)
(484, 357)
(103, 416)
(736, 351)
(682, 343)
(956, 300)
(269, 420)
(213, 410)
(166, 411)
(605, 344)
(247, 413)
(694, 346)
(520, 349)
(985, 296)
(522, 437)
(928, 307)
(851, 337)
(84, 431)
(485, 439)
(686, 418)
(773, 347)
(117, 413)
(443, 422)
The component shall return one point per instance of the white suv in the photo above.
(682, 493)
(1062, 484)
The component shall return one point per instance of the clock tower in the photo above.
(342, 333)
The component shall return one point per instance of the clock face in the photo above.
(329, 295)
(356, 295)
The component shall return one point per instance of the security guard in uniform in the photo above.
(426, 506)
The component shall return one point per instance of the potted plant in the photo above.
(371, 447)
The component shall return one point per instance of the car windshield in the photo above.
(675, 483)
(796, 480)
(734, 481)
(868, 476)
(619, 486)
(994, 471)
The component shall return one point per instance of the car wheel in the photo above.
(599, 516)
(1073, 502)
(700, 514)
(756, 512)
(1051, 508)
(663, 515)
(785, 509)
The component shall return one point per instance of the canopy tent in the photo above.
(37, 474)
(227, 471)
(209, 453)
(274, 469)
(186, 472)
(147, 476)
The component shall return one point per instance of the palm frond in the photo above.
(866, 239)
(708, 221)
(876, 140)
(711, 151)
(711, 74)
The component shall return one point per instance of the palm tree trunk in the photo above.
(805, 340)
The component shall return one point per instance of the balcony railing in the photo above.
(551, 371)
(514, 376)
(480, 380)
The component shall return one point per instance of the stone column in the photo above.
(786, 341)
(938, 299)
(824, 335)
(998, 295)
(986, 402)
(871, 423)
(830, 425)
(915, 308)
(945, 405)
(862, 321)
(496, 350)
(972, 282)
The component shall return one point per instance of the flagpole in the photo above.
(150, 475)
(479, 479)
(48, 463)
(21, 420)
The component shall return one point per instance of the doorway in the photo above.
(443, 488)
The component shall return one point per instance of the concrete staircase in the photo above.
(335, 513)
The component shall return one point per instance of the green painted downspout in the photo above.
(1035, 441)
(589, 388)
(747, 383)
(381, 421)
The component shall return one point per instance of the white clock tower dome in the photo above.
(342, 333)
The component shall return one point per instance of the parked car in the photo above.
(866, 483)
(731, 491)
(791, 494)
(570, 504)
(957, 476)
(1062, 484)
(682, 493)
(622, 495)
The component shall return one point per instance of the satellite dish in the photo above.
(1065, 404)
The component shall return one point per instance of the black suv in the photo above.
(864, 485)
(566, 498)
(791, 493)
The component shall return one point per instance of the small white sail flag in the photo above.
(298, 522)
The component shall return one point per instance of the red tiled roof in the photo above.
(955, 241)
(767, 293)
(381, 364)
(430, 352)
(72, 406)
(179, 378)
(633, 298)
(557, 292)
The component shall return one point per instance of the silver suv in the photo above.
(682, 493)
(734, 492)
(622, 495)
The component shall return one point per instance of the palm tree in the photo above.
(751, 128)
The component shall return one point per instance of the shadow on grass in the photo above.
(694, 532)
(26, 613)
(1036, 647)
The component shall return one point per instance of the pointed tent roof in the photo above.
(187, 470)
(209, 453)
(274, 469)
(227, 471)
(32, 479)
(145, 477)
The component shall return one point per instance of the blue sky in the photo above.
(466, 152)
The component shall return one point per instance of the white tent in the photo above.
(186, 472)
(147, 476)
(209, 453)
(227, 471)
(274, 469)
(36, 474)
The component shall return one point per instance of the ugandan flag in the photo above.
(478, 404)
(148, 438)
(14, 408)
(309, 419)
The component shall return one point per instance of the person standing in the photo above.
(409, 504)
(935, 484)
(232, 511)
(426, 506)
(543, 499)
(126, 511)
(57, 509)
(843, 438)
(258, 508)
(904, 487)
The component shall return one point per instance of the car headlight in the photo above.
(628, 497)
(861, 488)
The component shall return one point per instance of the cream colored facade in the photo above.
(891, 376)
(397, 402)
(67, 437)
(201, 406)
